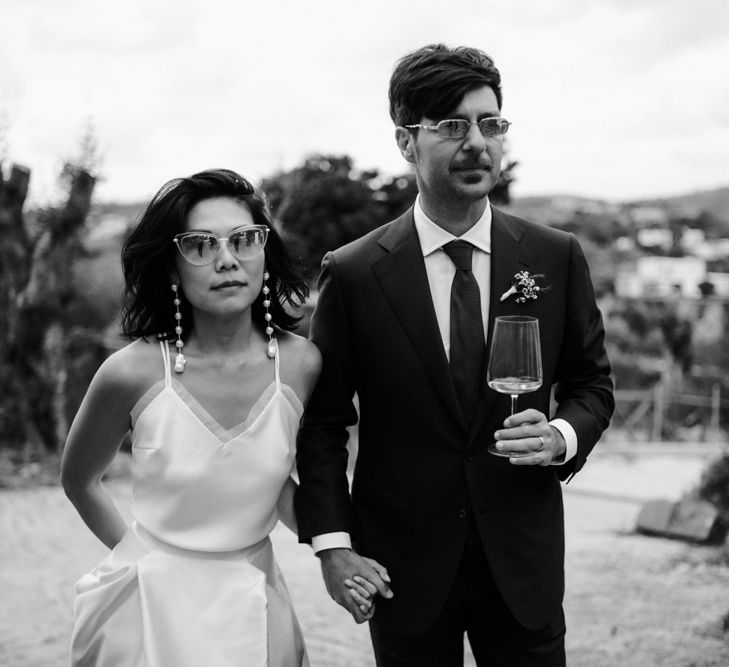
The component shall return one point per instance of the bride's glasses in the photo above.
(200, 248)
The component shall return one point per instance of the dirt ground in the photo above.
(631, 599)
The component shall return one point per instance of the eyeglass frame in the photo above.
(434, 128)
(219, 241)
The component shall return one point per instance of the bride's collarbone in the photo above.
(219, 386)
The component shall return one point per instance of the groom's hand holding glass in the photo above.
(531, 438)
(515, 367)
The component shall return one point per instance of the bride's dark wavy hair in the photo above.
(148, 256)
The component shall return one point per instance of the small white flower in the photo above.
(524, 287)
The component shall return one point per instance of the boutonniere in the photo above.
(524, 287)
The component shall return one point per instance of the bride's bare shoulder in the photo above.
(301, 355)
(300, 364)
(134, 368)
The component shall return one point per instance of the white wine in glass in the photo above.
(515, 362)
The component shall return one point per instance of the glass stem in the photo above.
(513, 402)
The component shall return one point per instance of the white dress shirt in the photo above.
(441, 271)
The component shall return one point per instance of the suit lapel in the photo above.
(507, 258)
(402, 277)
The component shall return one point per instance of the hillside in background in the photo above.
(547, 209)
(553, 209)
(715, 202)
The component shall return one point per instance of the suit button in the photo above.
(462, 514)
(469, 453)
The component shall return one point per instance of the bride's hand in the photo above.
(362, 598)
(363, 590)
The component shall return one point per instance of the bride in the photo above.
(212, 389)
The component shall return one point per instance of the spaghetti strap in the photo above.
(164, 346)
(276, 364)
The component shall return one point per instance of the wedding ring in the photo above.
(541, 443)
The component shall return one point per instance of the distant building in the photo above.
(655, 237)
(663, 277)
(645, 216)
(624, 244)
(712, 249)
(569, 204)
(692, 239)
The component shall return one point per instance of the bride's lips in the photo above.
(228, 283)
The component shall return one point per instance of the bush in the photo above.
(714, 485)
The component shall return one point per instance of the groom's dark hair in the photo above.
(433, 80)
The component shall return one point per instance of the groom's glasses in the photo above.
(200, 248)
(457, 128)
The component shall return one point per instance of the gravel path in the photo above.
(631, 600)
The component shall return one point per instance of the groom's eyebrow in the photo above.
(462, 116)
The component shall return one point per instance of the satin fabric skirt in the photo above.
(149, 604)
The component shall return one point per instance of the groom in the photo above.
(474, 543)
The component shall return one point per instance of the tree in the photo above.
(501, 194)
(14, 253)
(39, 336)
(44, 305)
(326, 203)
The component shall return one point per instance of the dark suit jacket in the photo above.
(421, 475)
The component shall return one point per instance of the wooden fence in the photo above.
(659, 414)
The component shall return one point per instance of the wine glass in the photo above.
(515, 363)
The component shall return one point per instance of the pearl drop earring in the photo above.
(271, 350)
(180, 360)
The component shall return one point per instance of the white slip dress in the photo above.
(194, 580)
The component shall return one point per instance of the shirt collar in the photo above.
(432, 237)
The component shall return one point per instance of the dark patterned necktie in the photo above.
(468, 346)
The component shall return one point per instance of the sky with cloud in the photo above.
(616, 99)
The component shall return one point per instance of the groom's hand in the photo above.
(341, 565)
(532, 439)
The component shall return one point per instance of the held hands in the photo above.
(353, 580)
(531, 438)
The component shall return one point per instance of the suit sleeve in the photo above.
(584, 391)
(323, 503)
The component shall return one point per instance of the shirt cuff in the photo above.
(570, 440)
(331, 541)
